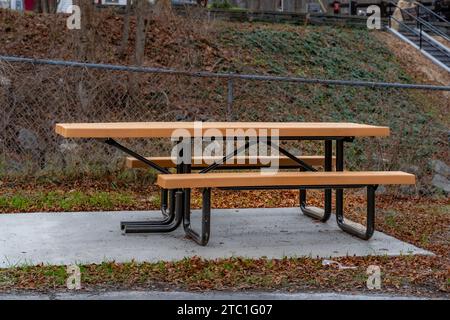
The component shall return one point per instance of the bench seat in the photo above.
(181, 184)
(285, 162)
(256, 179)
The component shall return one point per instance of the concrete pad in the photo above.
(94, 237)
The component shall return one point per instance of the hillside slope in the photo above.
(419, 120)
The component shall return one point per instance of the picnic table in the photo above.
(196, 173)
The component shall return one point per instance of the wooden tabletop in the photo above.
(166, 129)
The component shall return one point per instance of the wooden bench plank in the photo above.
(166, 129)
(166, 162)
(254, 179)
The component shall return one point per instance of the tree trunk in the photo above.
(163, 8)
(47, 6)
(85, 38)
(142, 15)
(126, 30)
(44, 6)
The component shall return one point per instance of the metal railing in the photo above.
(420, 6)
(420, 25)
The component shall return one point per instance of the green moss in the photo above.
(70, 201)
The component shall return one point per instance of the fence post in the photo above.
(230, 100)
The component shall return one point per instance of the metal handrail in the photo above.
(431, 11)
(420, 22)
(433, 28)
(421, 39)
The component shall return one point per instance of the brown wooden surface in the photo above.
(283, 161)
(166, 129)
(252, 179)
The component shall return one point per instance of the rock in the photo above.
(4, 81)
(408, 190)
(180, 117)
(83, 96)
(440, 168)
(14, 166)
(28, 140)
(363, 191)
(441, 182)
(381, 189)
(68, 147)
(204, 118)
(398, 16)
(413, 169)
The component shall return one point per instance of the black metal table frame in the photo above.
(176, 204)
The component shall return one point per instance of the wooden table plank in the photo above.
(252, 179)
(166, 129)
(244, 161)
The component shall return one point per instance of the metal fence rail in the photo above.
(230, 76)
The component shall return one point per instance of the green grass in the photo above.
(389, 219)
(65, 201)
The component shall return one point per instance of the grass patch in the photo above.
(64, 201)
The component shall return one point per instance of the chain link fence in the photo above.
(34, 97)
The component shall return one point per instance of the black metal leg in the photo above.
(168, 216)
(370, 224)
(167, 209)
(328, 167)
(168, 199)
(302, 196)
(339, 167)
(317, 213)
(202, 238)
(164, 202)
(156, 228)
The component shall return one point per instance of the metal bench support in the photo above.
(202, 238)
(154, 227)
(317, 213)
(370, 223)
(167, 210)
